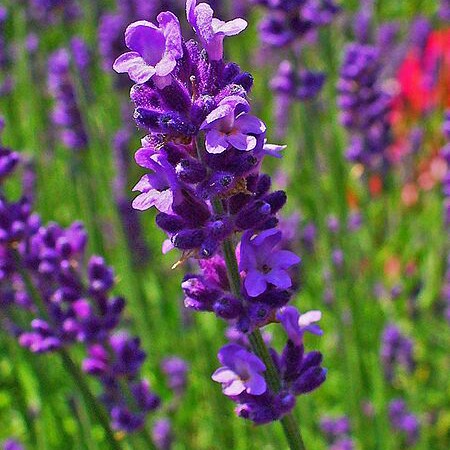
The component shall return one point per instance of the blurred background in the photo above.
(359, 100)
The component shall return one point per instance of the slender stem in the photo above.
(290, 426)
(88, 397)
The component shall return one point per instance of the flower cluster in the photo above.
(50, 11)
(287, 21)
(12, 444)
(242, 379)
(66, 114)
(287, 24)
(404, 421)
(337, 432)
(364, 106)
(51, 299)
(204, 151)
(396, 350)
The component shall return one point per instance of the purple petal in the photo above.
(241, 141)
(284, 259)
(190, 9)
(143, 158)
(227, 354)
(256, 385)
(255, 283)
(135, 66)
(147, 39)
(247, 124)
(267, 240)
(216, 142)
(279, 278)
(247, 257)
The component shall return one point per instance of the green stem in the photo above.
(89, 398)
(289, 423)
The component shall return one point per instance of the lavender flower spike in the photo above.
(154, 50)
(264, 265)
(210, 30)
(297, 324)
(241, 371)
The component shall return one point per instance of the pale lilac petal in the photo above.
(224, 375)
(231, 28)
(135, 66)
(144, 184)
(219, 113)
(273, 149)
(146, 39)
(279, 278)
(145, 200)
(164, 201)
(215, 142)
(247, 124)
(203, 21)
(173, 43)
(167, 245)
(256, 385)
(309, 317)
(235, 388)
(241, 141)
(254, 283)
(285, 259)
(306, 322)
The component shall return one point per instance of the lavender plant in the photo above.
(204, 152)
(51, 299)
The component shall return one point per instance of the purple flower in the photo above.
(241, 371)
(162, 434)
(297, 324)
(226, 127)
(155, 51)
(210, 30)
(263, 264)
(12, 444)
(158, 189)
(176, 371)
(404, 421)
(8, 161)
